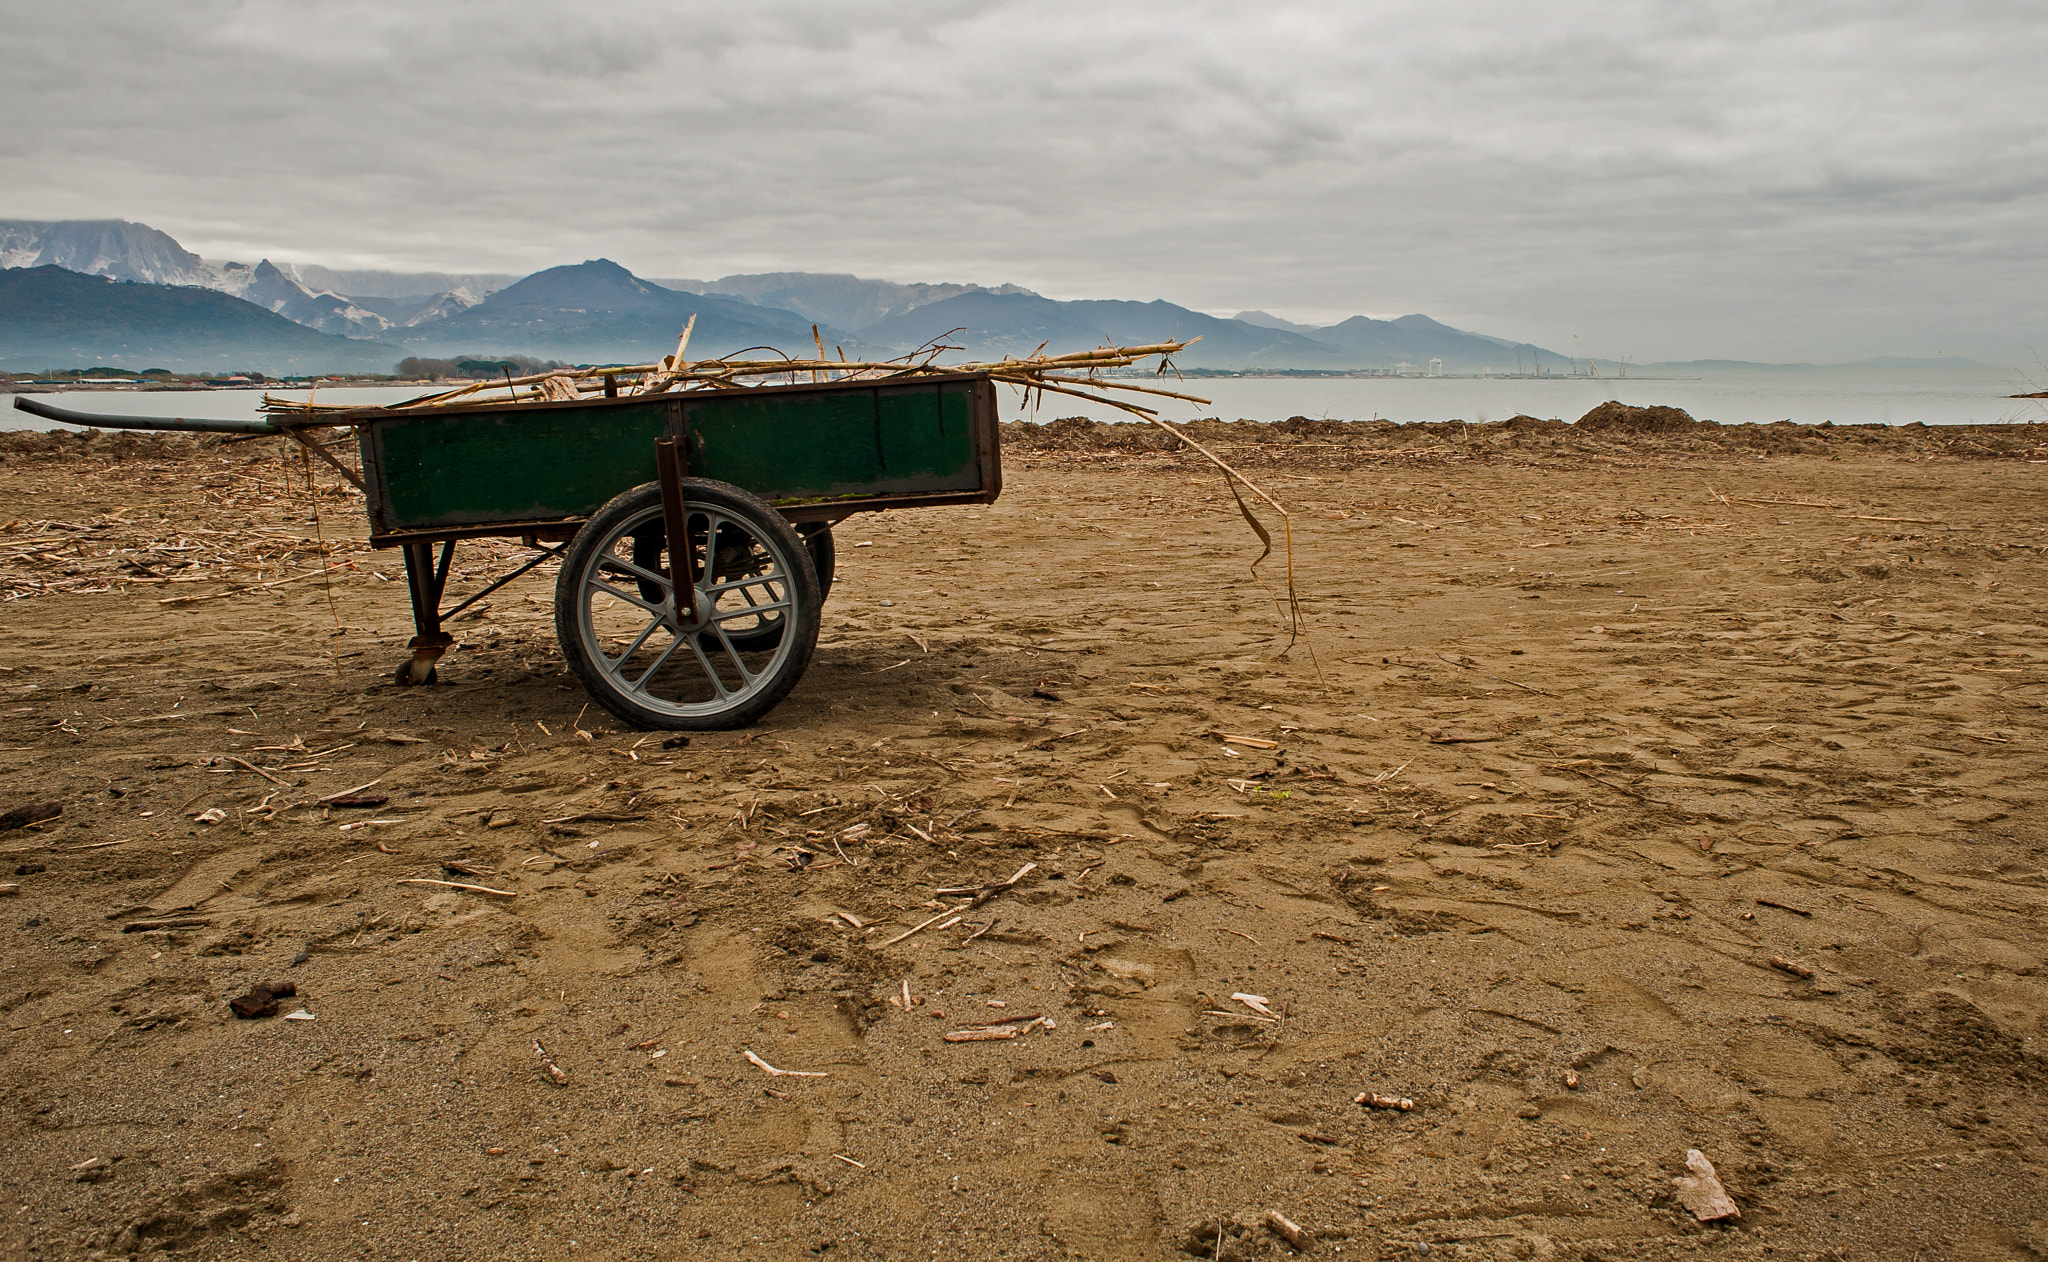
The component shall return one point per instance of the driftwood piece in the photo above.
(1793, 967)
(767, 1068)
(459, 885)
(1288, 1230)
(981, 1035)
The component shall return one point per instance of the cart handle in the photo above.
(101, 420)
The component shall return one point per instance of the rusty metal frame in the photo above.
(671, 463)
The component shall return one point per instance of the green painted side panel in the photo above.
(536, 464)
(479, 467)
(817, 442)
(873, 441)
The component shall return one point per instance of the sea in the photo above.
(1945, 395)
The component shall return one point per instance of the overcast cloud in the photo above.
(1768, 180)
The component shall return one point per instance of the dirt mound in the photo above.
(1303, 427)
(1620, 418)
(1078, 433)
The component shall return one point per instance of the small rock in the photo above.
(257, 1003)
(1701, 1191)
(212, 815)
(33, 813)
(261, 1001)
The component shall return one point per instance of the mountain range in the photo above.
(52, 317)
(598, 312)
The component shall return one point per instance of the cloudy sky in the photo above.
(1817, 180)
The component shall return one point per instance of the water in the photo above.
(1947, 396)
(1808, 397)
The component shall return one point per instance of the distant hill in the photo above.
(841, 300)
(1416, 339)
(1267, 320)
(993, 325)
(598, 312)
(52, 317)
(1878, 364)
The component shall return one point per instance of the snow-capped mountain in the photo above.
(135, 252)
(274, 289)
(441, 306)
(100, 247)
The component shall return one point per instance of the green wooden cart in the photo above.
(706, 636)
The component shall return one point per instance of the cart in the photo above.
(705, 636)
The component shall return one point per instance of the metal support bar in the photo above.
(670, 464)
(441, 570)
(545, 553)
(299, 436)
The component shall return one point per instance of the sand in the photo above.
(1639, 789)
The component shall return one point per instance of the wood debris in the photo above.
(1793, 967)
(771, 1070)
(1288, 1230)
(1001, 1028)
(950, 911)
(1257, 1003)
(459, 885)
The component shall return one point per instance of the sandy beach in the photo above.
(1638, 788)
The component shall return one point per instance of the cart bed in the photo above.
(816, 452)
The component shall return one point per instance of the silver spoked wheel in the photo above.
(735, 655)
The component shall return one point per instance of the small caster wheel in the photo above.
(407, 674)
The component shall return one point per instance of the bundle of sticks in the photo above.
(1076, 374)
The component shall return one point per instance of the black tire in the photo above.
(757, 600)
